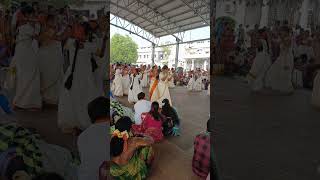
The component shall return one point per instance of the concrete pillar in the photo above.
(192, 66)
(177, 53)
(152, 54)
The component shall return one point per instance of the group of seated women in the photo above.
(131, 144)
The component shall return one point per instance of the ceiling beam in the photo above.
(160, 34)
(144, 18)
(180, 20)
(184, 42)
(195, 11)
(180, 14)
(131, 32)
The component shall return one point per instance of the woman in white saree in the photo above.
(135, 86)
(117, 88)
(260, 66)
(125, 81)
(75, 96)
(160, 91)
(27, 95)
(50, 62)
(197, 86)
(279, 77)
(172, 74)
(144, 80)
(191, 81)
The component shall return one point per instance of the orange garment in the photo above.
(153, 87)
(78, 32)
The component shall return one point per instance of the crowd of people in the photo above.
(198, 80)
(281, 57)
(54, 58)
(135, 131)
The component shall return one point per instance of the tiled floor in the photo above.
(174, 155)
(265, 137)
(173, 161)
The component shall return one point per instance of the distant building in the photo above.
(191, 55)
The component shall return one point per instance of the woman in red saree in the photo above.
(151, 124)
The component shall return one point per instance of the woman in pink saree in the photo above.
(151, 124)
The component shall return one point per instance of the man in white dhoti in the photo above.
(142, 106)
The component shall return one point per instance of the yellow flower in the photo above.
(119, 134)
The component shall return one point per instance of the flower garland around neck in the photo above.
(122, 135)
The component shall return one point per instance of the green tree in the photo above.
(123, 49)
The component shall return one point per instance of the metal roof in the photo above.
(163, 17)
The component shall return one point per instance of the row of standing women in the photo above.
(130, 81)
(64, 70)
(277, 76)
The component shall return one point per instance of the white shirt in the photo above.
(93, 146)
(140, 107)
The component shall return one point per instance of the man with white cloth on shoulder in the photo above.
(142, 106)
(93, 142)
